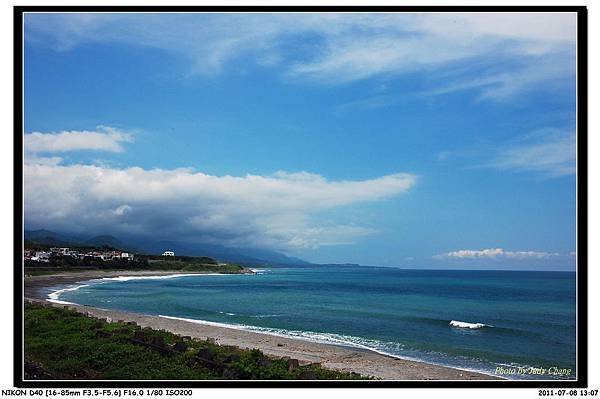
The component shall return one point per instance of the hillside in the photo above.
(248, 256)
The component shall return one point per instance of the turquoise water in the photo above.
(529, 317)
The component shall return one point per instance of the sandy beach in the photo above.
(342, 358)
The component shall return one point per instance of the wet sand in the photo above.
(342, 358)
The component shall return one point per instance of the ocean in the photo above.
(475, 320)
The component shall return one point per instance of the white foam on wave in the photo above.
(262, 316)
(260, 271)
(327, 338)
(376, 346)
(463, 324)
(157, 277)
(53, 296)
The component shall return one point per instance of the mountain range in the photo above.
(249, 256)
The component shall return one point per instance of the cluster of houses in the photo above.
(44, 256)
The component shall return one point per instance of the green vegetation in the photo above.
(71, 263)
(61, 264)
(63, 344)
(43, 272)
(191, 264)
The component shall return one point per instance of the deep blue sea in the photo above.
(528, 317)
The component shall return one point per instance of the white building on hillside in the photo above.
(62, 251)
(41, 256)
(168, 253)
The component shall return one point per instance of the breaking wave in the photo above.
(463, 324)
(53, 296)
(260, 271)
(391, 349)
(159, 277)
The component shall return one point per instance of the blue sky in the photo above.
(413, 140)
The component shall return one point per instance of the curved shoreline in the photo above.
(364, 361)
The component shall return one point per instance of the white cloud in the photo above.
(122, 210)
(50, 161)
(549, 27)
(395, 44)
(331, 48)
(495, 253)
(505, 83)
(550, 152)
(277, 211)
(104, 139)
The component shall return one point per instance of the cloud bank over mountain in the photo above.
(275, 211)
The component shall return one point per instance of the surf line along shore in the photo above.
(343, 358)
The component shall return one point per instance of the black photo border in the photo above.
(582, 214)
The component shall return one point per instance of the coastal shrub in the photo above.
(59, 263)
(69, 345)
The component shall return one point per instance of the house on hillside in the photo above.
(168, 253)
(41, 256)
(60, 251)
(126, 255)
